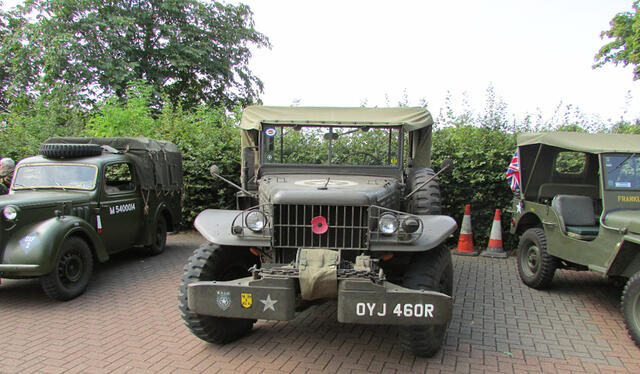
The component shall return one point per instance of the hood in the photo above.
(29, 198)
(329, 190)
(624, 218)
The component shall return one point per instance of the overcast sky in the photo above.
(535, 53)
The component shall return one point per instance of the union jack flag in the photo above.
(513, 172)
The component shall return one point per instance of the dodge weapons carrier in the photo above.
(334, 203)
(82, 200)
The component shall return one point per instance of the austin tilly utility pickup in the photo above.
(83, 199)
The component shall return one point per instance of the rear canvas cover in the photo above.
(158, 162)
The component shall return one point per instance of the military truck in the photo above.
(334, 203)
(579, 208)
(82, 200)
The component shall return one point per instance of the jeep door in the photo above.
(121, 207)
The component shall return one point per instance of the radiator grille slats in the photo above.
(347, 226)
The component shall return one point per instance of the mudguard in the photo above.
(32, 249)
(436, 230)
(215, 226)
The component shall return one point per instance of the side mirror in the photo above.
(331, 136)
(447, 164)
(214, 170)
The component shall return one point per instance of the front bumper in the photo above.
(359, 301)
(19, 271)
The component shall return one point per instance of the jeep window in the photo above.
(332, 145)
(622, 171)
(570, 162)
(50, 175)
(118, 178)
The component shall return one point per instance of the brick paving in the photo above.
(128, 322)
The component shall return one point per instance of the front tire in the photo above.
(73, 268)
(630, 305)
(212, 262)
(535, 266)
(433, 271)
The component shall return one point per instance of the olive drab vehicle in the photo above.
(334, 203)
(579, 208)
(83, 199)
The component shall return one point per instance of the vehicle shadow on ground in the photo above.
(598, 290)
(29, 293)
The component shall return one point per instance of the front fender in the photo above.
(215, 226)
(32, 249)
(436, 230)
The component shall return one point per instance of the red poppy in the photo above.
(319, 225)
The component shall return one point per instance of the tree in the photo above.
(625, 48)
(194, 52)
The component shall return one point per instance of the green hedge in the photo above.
(481, 157)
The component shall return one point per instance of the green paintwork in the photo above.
(46, 217)
(360, 301)
(615, 251)
(292, 194)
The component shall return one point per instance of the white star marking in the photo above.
(268, 303)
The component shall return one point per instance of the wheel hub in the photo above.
(532, 259)
(71, 268)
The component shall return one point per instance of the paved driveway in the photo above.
(128, 322)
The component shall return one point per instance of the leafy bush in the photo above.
(481, 157)
(204, 136)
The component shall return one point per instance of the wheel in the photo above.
(427, 199)
(160, 238)
(431, 270)
(535, 265)
(212, 262)
(630, 305)
(55, 150)
(70, 277)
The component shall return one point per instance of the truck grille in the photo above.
(348, 226)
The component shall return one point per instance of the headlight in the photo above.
(255, 220)
(10, 212)
(388, 223)
(410, 225)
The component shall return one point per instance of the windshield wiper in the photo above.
(623, 162)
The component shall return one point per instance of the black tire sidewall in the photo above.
(426, 272)
(546, 266)
(73, 150)
(212, 262)
(161, 229)
(426, 200)
(631, 308)
(54, 284)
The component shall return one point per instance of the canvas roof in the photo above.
(159, 162)
(582, 142)
(410, 119)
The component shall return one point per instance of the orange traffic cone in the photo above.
(494, 248)
(465, 243)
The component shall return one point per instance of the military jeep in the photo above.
(579, 208)
(334, 203)
(82, 200)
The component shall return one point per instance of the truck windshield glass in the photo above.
(332, 145)
(622, 171)
(63, 176)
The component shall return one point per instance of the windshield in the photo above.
(71, 176)
(332, 145)
(622, 171)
